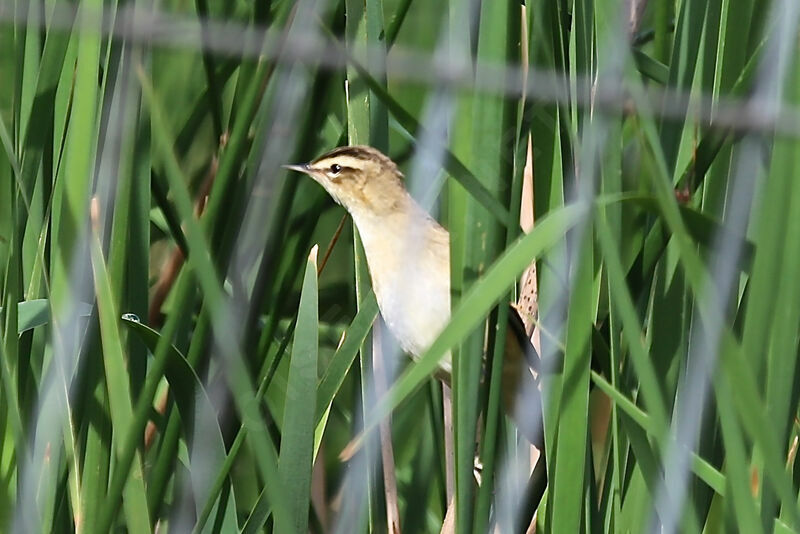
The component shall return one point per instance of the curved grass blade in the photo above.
(197, 412)
(36, 312)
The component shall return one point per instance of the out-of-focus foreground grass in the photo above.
(171, 361)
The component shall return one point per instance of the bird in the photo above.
(408, 257)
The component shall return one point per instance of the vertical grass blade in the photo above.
(297, 440)
(119, 399)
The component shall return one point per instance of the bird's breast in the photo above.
(410, 271)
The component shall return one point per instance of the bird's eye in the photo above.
(336, 169)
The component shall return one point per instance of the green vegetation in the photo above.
(172, 354)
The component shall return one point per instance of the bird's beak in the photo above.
(299, 168)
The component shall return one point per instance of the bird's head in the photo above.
(360, 178)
